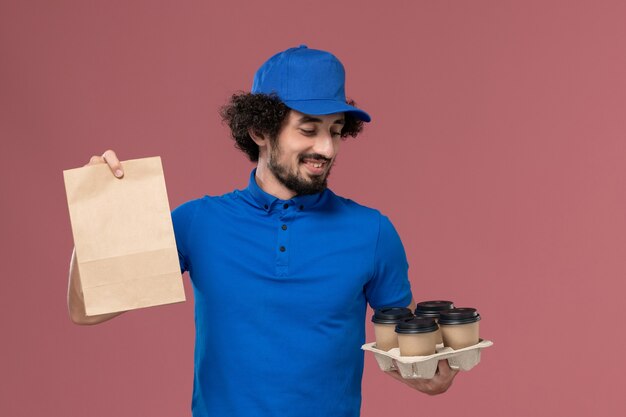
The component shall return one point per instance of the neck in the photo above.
(268, 182)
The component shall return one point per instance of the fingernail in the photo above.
(118, 173)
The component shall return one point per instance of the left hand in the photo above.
(437, 385)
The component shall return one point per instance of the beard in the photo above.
(296, 182)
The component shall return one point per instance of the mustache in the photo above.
(314, 156)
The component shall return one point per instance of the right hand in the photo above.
(109, 158)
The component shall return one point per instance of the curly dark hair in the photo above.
(265, 114)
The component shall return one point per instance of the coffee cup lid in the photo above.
(417, 325)
(432, 308)
(391, 315)
(460, 315)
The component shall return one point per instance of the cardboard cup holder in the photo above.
(424, 367)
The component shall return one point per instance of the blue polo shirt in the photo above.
(281, 288)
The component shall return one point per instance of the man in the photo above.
(283, 270)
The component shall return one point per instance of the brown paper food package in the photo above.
(123, 234)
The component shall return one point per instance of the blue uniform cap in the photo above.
(307, 80)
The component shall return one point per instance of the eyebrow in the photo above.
(309, 119)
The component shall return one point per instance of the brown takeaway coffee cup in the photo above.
(459, 327)
(417, 336)
(432, 309)
(385, 320)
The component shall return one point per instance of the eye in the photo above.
(307, 132)
(336, 133)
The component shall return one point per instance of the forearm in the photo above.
(76, 302)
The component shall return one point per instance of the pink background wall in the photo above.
(497, 149)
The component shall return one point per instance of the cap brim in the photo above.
(322, 107)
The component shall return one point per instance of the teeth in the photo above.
(315, 164)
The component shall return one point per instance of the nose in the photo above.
(324, 145)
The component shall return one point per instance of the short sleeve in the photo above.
(182, 218)
(389, 284)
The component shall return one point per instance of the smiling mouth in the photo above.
(316, 164)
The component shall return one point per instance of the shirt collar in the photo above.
(267, 201)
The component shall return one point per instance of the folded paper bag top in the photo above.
(123, 234)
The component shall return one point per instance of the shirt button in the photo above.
(265, 206)
(301, 207)
(282, 249)
(284, 227)
(286, 206)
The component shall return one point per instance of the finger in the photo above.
(94, 160)
(444, 377)
(443, 368)
(114, 163)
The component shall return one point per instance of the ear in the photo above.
(258, 138)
